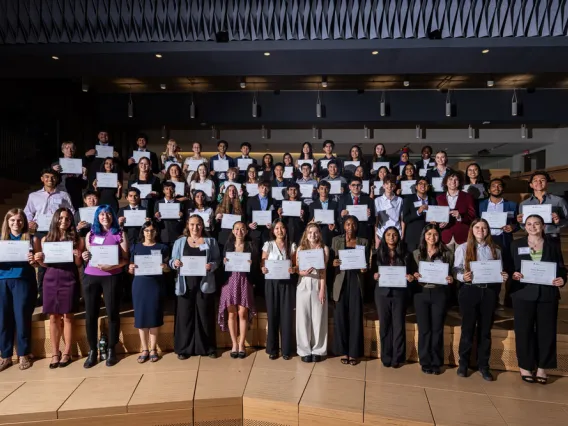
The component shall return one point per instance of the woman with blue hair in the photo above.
(105, 278)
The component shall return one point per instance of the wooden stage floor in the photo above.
(259, 392)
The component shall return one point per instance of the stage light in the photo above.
(130, 106)
(158, 55)
(448, 105)
(367, 134)
(383, 108)
(318, 107)
(514, 104)
(192, 108)
(266, 53)
(470, 132)
(163, 86)
(490, 83)
(524, 132)
(164, 132)
(418, 132)
(214, 133)
(484, 51)
(55, 58)
(406, 83)
(324, 82)
(254, 106)
(375, 52)
(243, 83)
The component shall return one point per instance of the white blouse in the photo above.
(274, 252)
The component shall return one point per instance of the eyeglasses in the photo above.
(355, 185)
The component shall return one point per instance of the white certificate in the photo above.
(262, 217)
(58, 252)
(103, 255)
(291, 208)
(193, 266)
(72, 166)
(134, 217)
(392, 276)
(378, 184)
(169, 163)
(324, 163)
(206, 216)
(352, 259)
(365, 188)
(543, 210)
(169, 210)
(496, 220)
(220, 165)
(277, 269)
(477, 190)
(325, 217)
(235, 184)
(302, 162)
(311, 259)
(433, 272)
(306, 190)
(437, 184)
(14, 251)
(538, 272)
(229, 220)
(43, 221)
(87, 214)
(137, 155)
(422, 172)
(439, 214)
(359, 211)
(378, 164)
(144, 188)
(353, 164)
(194, 164)
(237, 262)
(408, 187)
(104, 151)
(335, 187)
(243, 163)
(107, 180)
(486, 271)
(147, 265)
(252, 189)
(277, 193)
(180, 188)
(206, 187)
(288, 172)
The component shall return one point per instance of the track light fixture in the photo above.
(130, 105)
(214, 133)
(318, 106)
(367, 134)
(383, 109)
(471, 132)
(192, 107)
(163, 86)
(524, 132)
(264, 132)
(514, 104)
(418, 132)
(84, 85)
(254, 106)
(315, 132)
(448, 104)
(164, 132)
(324, 82)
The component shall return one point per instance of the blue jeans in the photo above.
(17, 303)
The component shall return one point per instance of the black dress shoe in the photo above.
(307, 358)
(286, 357)
(111, 358)
(316, 358)
(426, 369)
(395, 365)
(183, 357)
(462, 371)
(273, 356)
(486, 374)
(386, 364)
(212, 354)
(436, 370)
(91, 360)
(242, 355)
(234, 354)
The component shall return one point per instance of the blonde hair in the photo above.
(6, 229)
(64, 144)
(305, 244)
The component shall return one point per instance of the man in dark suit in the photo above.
(246, 148)
(439, 172)
(93, 163)
(328, 231)
(427, 162)
(142, 142)
(73, 184)
(260, 232)
(414, 213)
(222, 147)
(169, 229)
(355, 197)
(90, 199)
(132, 232)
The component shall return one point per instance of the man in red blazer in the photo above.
(462, 210)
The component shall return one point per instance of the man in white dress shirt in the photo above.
(388, 208)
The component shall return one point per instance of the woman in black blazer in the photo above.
(391, 301)
(536, 306)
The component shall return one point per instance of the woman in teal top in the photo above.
(18, 293)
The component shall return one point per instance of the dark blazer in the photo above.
(131, 232)
(420, 164)
(433, 173)
(236, 160)
(364, 230)
(156, 166)
(337, 244)
(74, 186)
(466, 207)
(506, 238)
(396, 292)
(232, 163)
(414, 223)
(93, 165)
(170, 229)
(326, 234)
(84, 231)
(322, 171)
(551, 252)
(261, 234)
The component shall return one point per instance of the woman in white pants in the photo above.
(311, 303)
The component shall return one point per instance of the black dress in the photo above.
(194, 328)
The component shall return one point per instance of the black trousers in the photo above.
(280, 298)
(194, 327)
(348, 319)
(110, 287)
(392, 328)
(430, 306)
(477, 306)
(535, 333)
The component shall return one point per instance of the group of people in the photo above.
(297, 231)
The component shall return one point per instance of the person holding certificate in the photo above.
(230, 204)
(200, 207)
(306, 179)
(232, 176)
(236, 304)
(148, 288)
(201, 176)
(348, 289)
(535, 306)
(311, 301)
(475, 183)
(333, 176)
(430, 299)
(93, 161)
(391, 300)
(18, 292)
(462, 210)
(109, 195)
(169, 228)
(479, 294)
(295, 224)
(376, 185)
(145, 177)
(61, 285)
(357, 159)
(194, 332)
(170, 156)
(251, 178)
(132, 232)
(175, 175)
(328, 230)
(439, 171)
(307, 154)
(356, 198)
(388, 208)
(189, 163)
(267, 168)
(246, 148)
(414, 210)
(222, 147)
(279, 293)
(141, 143)
(90, 199)
(322, 163)
(379, 156)
(409, 176)
(73, 183)
(260, 232)
(103, 274)
(288, 167)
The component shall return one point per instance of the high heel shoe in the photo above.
(54, 365)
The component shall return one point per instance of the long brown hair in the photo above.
(224, 206)
(55, 234)
(195, 176)
(304, 243)
(471, 248)
(6, 229)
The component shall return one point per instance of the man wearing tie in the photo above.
(414, 213)
(356, 198)
(93, 163)
(222, 147)
(260, 232)
(142, 142)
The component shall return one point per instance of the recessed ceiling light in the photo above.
(485, 51)
(163, 86)
(266, 53)
(486, 122)
(490, 83)
(158, 55)
(375, 52)
(406, 83)
(55, 57)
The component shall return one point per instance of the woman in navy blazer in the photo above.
(535, 305)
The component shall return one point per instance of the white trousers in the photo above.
(311, 319)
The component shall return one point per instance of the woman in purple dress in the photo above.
(61, 285)
(237, 297)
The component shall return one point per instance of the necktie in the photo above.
(356, 201)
